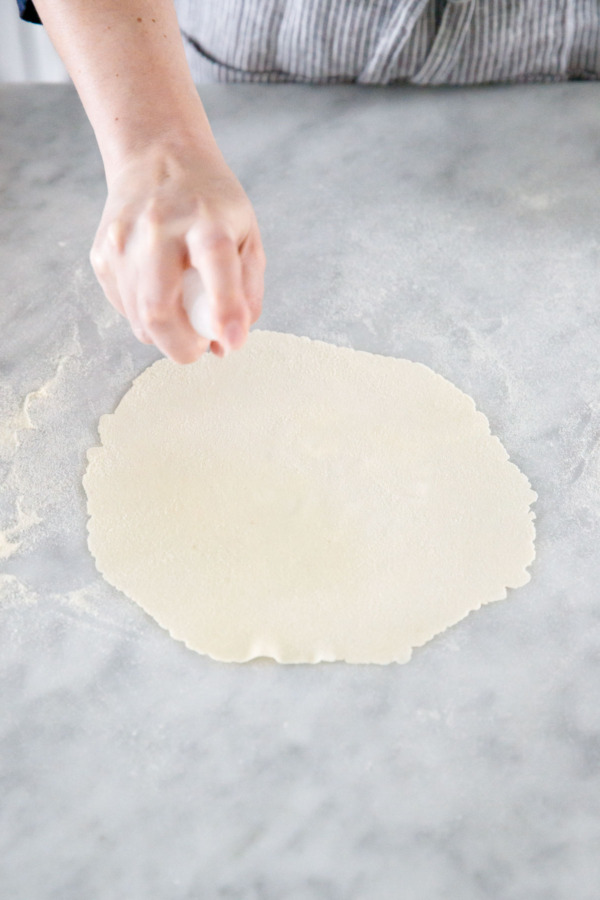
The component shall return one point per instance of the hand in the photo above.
(168, 208)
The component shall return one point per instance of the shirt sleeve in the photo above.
(28, 12)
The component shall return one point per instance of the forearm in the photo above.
(172, 202)
(127, 61)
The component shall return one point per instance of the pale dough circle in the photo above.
(305, 502)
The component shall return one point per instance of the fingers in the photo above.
(105, 257)
(105, 275)
(216, 257)
(253, 274)
(141, 251)
(158, 297)
(140, 272)
(169, 329)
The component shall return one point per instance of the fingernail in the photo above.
(234, 334)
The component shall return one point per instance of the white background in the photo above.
(26, 53)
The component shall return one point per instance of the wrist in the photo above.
(172, 134)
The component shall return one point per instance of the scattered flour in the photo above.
(23, 493)
(24, 521)
(13, 593)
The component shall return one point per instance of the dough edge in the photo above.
(265, 654)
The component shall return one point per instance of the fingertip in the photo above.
(234, 335)
(185, 357)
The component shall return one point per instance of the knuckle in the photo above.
(116, 234)
(157, 224)
(217, 241)
(155, 213)
(229, 300)
(154, 317)
(154, 236)
(155, 314)
(98, 261)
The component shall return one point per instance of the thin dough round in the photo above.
(305, 502)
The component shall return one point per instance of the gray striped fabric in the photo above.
(385, 41)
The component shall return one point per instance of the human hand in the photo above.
(169, 208)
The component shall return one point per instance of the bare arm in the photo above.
(172, 201)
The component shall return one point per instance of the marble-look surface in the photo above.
(460, 228)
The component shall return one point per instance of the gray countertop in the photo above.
(460, 228)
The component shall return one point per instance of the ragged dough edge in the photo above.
(94, 456)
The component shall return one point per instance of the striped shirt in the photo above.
(386, 41)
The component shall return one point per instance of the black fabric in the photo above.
(28, 12)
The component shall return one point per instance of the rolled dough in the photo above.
(305, 502)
